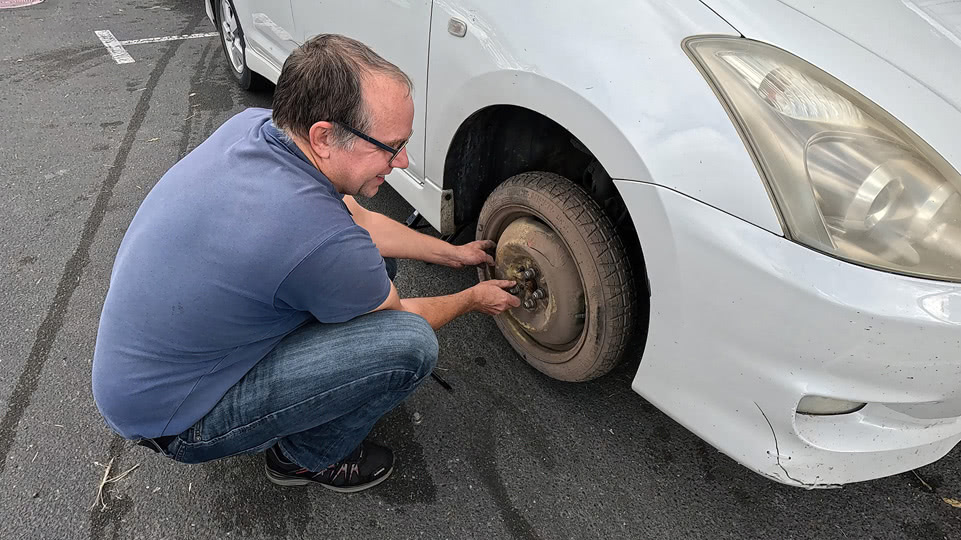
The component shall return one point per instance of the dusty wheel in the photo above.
(574, 276)
(235, 46)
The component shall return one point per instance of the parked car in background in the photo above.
(762, 195)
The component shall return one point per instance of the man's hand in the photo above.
(486, 297)
(490, 297)
(472, 254)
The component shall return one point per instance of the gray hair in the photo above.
(322, 81)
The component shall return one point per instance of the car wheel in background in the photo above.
(234, 45)
(574, 277)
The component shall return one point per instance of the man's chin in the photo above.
(369, 191)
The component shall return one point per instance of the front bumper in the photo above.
(745, 323)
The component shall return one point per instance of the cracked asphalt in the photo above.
(508, 454)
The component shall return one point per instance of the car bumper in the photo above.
(745, 323)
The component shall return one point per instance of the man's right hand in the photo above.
(490, 297)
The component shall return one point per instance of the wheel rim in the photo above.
(553, 329)
(233, 42)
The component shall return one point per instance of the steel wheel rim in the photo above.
(230, 31)
(499, 221)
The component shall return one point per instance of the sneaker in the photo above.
(368, 465)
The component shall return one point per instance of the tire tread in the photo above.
(608, 251)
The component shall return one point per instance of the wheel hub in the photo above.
(548, 283)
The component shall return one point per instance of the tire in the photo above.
(549, 225)
(234, 45)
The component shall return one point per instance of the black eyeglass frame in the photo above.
(387, 148)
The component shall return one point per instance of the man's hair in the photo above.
(322, 81)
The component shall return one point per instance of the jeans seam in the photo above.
(328, 446)
(326, 450)
(198, 431)
(251, 425)
(181, 449)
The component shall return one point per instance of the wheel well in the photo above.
(501, 141)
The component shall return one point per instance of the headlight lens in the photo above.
(847, 177)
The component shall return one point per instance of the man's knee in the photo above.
(417, 340)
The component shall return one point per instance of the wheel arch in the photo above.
(518, 121)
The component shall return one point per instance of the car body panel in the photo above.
(271, 23)
(931, 27)
(267, 26)
(622, 85)
(744, 324)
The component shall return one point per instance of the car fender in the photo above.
(638, 103)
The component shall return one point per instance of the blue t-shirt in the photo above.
(239, 244)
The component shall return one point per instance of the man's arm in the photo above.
(396, 240)
(486, 297)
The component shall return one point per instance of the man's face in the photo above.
(361, 169)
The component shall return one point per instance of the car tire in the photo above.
(579, 326)
(235, 46)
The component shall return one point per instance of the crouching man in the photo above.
(251, 306)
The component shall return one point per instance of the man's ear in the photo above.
(321, 139)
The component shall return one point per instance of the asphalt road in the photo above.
(508, 454)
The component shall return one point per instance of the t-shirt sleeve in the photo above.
(340, 279)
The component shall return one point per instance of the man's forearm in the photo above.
(440, 310)
(394, 239)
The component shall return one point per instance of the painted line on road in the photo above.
(120, 55)
(167, 38)
(116, 50)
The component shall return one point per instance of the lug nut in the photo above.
(529, 304)
(515, 290)
(538, 294)
(529, 273)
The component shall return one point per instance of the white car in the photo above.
(764, 194)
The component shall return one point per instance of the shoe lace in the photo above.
(348, 468)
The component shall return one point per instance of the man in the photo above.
(250, 308)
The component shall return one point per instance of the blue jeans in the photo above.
(318, 393)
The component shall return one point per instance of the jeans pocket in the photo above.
(196, 432)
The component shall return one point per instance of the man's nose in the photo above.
(400, 161)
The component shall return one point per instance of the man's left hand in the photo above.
(472, 254)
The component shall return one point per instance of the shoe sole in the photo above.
(289, 481)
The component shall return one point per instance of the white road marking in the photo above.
(116, 50)
(120, 55)
(167, 38)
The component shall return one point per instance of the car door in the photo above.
(398, 30)
(269, 29)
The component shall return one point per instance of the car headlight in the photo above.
(847, 178)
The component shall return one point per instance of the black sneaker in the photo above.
(365, 467)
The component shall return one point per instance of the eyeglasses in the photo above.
(393, 151)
